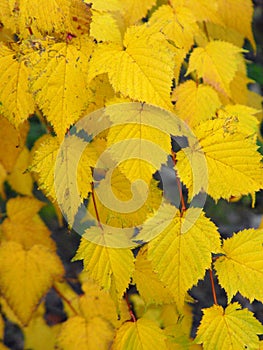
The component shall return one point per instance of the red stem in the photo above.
(65, 299)
(213, 286)
(95, 206)
(179, 185)
(133, 318)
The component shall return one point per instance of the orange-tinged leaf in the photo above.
(26, 275)
(19, 179)
(195, 103)
(232, 328)
(233, 163)
(23, 208)
(59, 82)
(16, 102)
(140, 335)
(241, 267)
(240, 20)
(78, 333)
(142, 70)
(174, 254)
(3, 175)
(216, 63)
(111, 268)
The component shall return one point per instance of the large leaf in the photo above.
(26, 275)
(233, 163)
(232, 328)
(241, 267)
(142, 69)
(16, 102)
(181, 252)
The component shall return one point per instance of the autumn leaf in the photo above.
(207, 62)
(140, 335)
(111, 268)
(144, 53)
(59, 82)
(26, 275)
(240, 268)
(16, 101)
(231, 172)
(174, 254)
(232, 328)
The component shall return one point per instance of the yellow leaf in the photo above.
(26, 275)
(241, 20)
(142, 70)
(3, 175)
(195, 103)
(139, 335)
(7, 11)
(24, 226)
(203, 10)
(38, 335)
(232, 328)
(174, 254)
(111, 268)
(220, 32)
(59, 82)
(248, 123)
(207, 62)
(135, 10)
(178, 24)
(20, 180)
(13, 140)
(149, 286)
(99, 28)
(109, 6)
(16, 102)
(78, 333)
(240, 269)
(233, 163)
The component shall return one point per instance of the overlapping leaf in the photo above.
(233, 163)
(240, 269)
(232, 328)
(26, 275)
(174, 254)
(142, 69)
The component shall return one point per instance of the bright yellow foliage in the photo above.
(232, 328)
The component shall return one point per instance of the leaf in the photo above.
(26, 275)
(175, 255)
(140, 335)
(78, 333)
(135, 10)
(240, 269)
(59, 82)
(242, 19)
(233, 163)
(111, 268)
(6, 14)
(207, 62)
(142, 70)
(151, 289)
(21, 180)
(24, 226)
(195, 103)
(232, 328)
(13, 140)
(16, 102)
(99, 28)
(178, 24)
(203, 10)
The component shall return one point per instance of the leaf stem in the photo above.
(95, 205)
(65, 299)
(179, 185)
(133, 318)
(213, 286)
